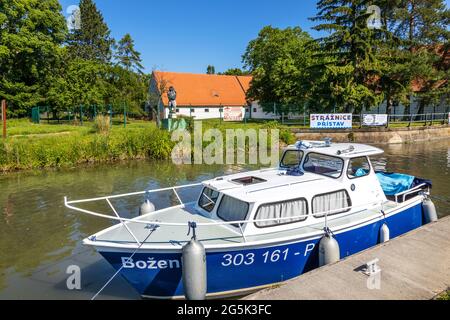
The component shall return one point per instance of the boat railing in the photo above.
(420, 188)
(240, 223)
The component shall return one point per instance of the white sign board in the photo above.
(233, 114)
(375, 119)
(449, 118)
(331, 121)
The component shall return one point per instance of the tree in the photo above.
(280, 61)
(92, 40)
(423, 27)
(127, 56)
(353, 66)
(235, 72)
(31, 33)
(210, 69)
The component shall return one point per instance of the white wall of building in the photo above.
(414, 108)
(255, 111)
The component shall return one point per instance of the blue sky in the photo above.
(186, 36)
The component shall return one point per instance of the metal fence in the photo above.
(80, 114)
(393, 120)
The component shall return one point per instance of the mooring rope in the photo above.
(120, 269)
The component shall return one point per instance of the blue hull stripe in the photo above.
(159, 274)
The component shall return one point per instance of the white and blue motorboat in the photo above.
(263, 227)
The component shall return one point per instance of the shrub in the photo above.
(102, 124)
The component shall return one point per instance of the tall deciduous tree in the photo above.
(92, 41)
(127, 56)
(31, 32)
(280, 60)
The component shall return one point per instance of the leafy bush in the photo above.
(102, 124)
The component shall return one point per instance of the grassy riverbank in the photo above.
(41, 146)
(31, 146)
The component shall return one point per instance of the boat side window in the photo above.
(281, 211)
(232, 209)
(358, 167)
(208, 199)
(323, 164)
(291, 158)
(336, 202)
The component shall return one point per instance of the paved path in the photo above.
(413, 266)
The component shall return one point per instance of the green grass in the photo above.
(43, 147)
(55, 145)
(444, 296)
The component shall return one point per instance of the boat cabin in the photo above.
(314, 181)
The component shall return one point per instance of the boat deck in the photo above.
(213, 235)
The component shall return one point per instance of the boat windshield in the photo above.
(323, 164)
(208, 199)
(291, 158)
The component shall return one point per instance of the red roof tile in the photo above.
(204, 89)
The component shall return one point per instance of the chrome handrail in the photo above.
(410, 191)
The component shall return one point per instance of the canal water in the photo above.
(40, 238)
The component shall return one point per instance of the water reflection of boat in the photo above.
(264, 227)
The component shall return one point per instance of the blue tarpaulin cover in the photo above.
(393, 183)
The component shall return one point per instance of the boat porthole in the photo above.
(353, 187)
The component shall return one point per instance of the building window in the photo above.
(192, 110)
(177, 110)
(206, 110)
(254, 110)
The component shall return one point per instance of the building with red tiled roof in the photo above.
(202, 96)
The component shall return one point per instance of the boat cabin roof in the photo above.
(342, 150)
(272, 185)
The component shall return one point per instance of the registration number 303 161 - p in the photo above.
(249, 258)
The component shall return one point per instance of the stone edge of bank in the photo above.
(377, 135)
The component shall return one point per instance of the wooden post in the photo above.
(4, 118)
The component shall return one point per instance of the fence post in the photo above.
(48, 115)
(410, 120)
(81, 114)
(432, 119)
(124, 115)
(387, 122)
(4, 118)
(110, 115)
(282, 117)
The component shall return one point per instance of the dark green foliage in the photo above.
(127, 56)
(31, 33)
(38, 69)
(279, 60)
(235, 72)
(210, 70)
(92, 41)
